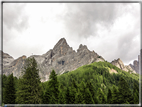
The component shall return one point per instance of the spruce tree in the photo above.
(29, 90)
(10, 91)
(53, 90)
(47, 96)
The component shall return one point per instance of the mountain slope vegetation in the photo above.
(99, 75)
(96, 83)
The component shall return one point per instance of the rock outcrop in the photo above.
(118, 63)
(61, 58)
(7, 59)
(135, 65)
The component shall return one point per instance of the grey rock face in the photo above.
(61, 58)
(135, 65)
(118, 63)
(7, 59)
(14, 67)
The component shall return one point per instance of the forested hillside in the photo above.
(96, 83)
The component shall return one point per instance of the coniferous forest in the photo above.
(89, 84)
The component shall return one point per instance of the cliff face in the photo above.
(136, 63)
(118, 63)
(61, 58)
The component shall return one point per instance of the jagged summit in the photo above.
(61, 42)
(61, 47)
(7, 59)
(118, 63)
(82, 48)
(61, 58)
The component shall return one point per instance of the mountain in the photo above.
(135, 65)
(118, 63)
(61, 58)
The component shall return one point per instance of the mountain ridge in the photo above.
(61, 58)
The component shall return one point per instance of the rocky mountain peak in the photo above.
(82, 48)
(7, 59)
(61, 47)
(118, 63)
(62, 42)
(5, 55)
(135, 65)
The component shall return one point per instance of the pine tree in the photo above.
(47, 96)
(29, 90)
(52, 92)
(10, 91)
(125, 94)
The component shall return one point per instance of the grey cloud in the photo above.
(127, 48)
(14, 16)
(81, 19)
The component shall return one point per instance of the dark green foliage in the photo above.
(73, 91)
(29, 90)
(52, 92)
(101, 96)
(86, 85)
(109, 96)
(46, 96)
(67, 96)
(88, 97)
(4, 82)
(9, 92)
(61, 97)
(136, 94)
(125, 94)
(115, 99)
(92, 91)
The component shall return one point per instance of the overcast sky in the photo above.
(110, 29)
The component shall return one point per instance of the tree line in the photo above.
(29, 90)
